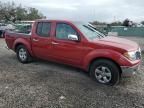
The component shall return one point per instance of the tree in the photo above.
(34, 14)
(142, 22)
(98, 23)
(21, 13)
(11, 12)
(7, 11)
(126, 22)
(117, 23)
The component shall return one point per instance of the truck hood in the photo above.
(120, 43)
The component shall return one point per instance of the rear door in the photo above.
(65, 50)
(41, 40)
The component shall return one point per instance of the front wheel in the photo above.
(23, 54)
(105, 72)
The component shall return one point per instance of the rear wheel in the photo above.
(105, 72)
(23, 54)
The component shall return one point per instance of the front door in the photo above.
(65, 50)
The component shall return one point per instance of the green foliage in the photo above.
(11, 12)
(98, 23)
(33, 13)
(126, 22)
(142, 22)
(117, 23)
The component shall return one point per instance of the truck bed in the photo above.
(11, 37)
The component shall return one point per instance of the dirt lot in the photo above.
(43, 84)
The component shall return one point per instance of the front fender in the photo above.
(104, 53)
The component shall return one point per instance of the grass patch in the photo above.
(142, 54)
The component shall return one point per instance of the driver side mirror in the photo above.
(73, 37)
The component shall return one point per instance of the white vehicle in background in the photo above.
(139, 25)
(18, 26)
(4, 27)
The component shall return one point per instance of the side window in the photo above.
(63, 30)
(43, 29)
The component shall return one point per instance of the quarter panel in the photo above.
(26, 42)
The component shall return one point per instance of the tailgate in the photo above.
(9, 38)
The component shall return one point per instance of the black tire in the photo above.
(27, 57)
(1, 33)
(111, 67)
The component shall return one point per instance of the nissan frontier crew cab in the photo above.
(78, 44)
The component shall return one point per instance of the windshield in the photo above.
(89, 31)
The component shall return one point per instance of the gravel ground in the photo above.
(43, 84)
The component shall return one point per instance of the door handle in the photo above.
(54, 43)
(36, 40)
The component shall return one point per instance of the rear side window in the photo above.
(43, 29)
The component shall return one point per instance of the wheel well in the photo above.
(17, 46)
(105, 59)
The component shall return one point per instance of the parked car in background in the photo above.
(4, 28)
(1, 33)
(23, 28)
(106, 58)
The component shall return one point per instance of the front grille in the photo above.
(138, 55)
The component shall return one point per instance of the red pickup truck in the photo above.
(106, 58)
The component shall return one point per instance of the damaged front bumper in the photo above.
(129, 71)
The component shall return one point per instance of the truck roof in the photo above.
(56, 20)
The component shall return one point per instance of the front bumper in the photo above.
(129, 71)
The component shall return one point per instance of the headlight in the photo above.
(130, 55)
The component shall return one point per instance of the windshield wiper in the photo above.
(89, 28)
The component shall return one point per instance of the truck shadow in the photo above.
(57, 68)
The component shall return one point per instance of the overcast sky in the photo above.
(88, 10)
